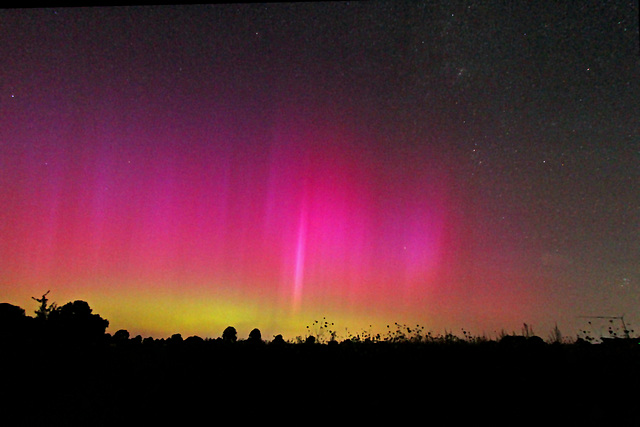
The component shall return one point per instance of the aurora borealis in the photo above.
(450, 164)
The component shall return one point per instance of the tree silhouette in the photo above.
(44, 310)
(230, 334)
(278, 340)
(194, 340)
(13, 322)
(175, 339)
(255, 336)
(75, 321)
(121, 335)
(10, 313)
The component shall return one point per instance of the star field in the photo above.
(453, 164)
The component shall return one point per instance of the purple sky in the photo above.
(453, 164)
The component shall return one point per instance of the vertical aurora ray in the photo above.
(301, 248)
(271, 230)
(186, 169)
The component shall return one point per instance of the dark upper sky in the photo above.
(530, 109)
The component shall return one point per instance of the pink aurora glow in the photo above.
(294, 217)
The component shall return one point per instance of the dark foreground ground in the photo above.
(218, 383)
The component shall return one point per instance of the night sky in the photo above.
(453, 164)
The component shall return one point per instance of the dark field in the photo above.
(177, 382)
(61, 368)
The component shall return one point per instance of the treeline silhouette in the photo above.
(66, 364)
(74, 323)
(71, 324)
